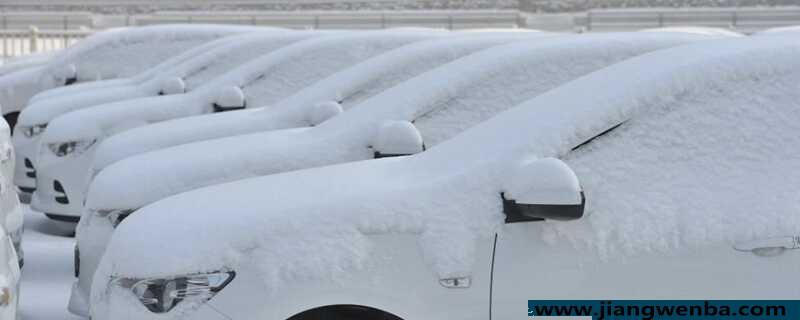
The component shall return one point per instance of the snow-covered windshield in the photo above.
(316, 62)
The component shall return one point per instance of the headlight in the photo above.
(162, 295)
(32, 131)
(115, 216)
(61, 149)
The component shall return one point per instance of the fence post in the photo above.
(589, 21)
(34, 38)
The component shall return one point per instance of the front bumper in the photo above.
(25, 150)
(93, 234)
(60, 185)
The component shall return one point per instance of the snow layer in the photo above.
(264, 80)
(197, 66)
(98, 56)
(441, 103)
(33, 60)
(348, 87)
(684, 136)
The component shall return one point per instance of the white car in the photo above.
(312, 105)
(441, 103)
(9, 279)
(24, 62)
(178, 75)
(11, 214)
(68, 144)
(681, 177)
(98, 57)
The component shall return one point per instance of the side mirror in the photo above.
(545, 189)
(68, 74)
(229, 99)
(323, 111)
(173, 85)
(398, 138)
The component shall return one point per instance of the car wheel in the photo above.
(345, 312)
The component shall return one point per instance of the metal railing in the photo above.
(448, 19)
(739, 19)
(15, 43)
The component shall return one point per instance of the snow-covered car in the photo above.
(678, 171)
(9, 279)
(440, 103)
(99, 56)
(309, 107)
(179, 75)
(11, 214)
(68, 144)
(24, 62)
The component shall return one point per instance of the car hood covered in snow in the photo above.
(348, 88)
(441, 102)
(449, 196)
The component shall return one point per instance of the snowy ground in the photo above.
(47, 276)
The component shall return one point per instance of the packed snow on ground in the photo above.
(672, 176)
(47, 275)
(441, 102)
(343, 89)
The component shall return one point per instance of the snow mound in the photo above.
(398, 138)
(323, 111)
(230, 97)
(173, 85)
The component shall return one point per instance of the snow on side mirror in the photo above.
(398, 138)
(173, 85)
(545, 189)
(229, 99)
(68, 74)
(323, 111)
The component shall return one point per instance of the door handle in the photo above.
(769, 247)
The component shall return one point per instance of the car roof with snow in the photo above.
(694, 95)
(348, 88)
(195, 68)
(265, 80)
(441, 103)
(98, 56)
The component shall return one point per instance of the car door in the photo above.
(531, 262)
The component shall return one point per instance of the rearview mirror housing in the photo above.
(323, 111)
(544, 189)
(398, 138)
(172, 85)
(68, 74)
(229, 99)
